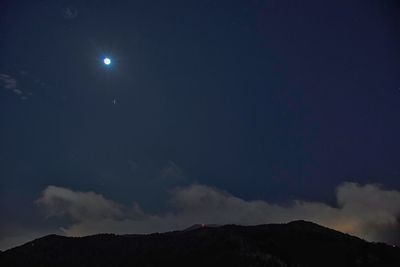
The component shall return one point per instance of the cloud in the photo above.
(80, 206)
(10, 84)
(367, 211)
(70, 12)
(171, 172)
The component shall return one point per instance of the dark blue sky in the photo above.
(271, 100)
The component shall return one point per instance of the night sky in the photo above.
(236, 111)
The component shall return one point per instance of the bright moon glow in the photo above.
(107, 61)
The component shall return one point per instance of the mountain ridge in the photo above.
(298, 243)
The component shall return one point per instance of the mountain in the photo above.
(297, 244)
(197, 226)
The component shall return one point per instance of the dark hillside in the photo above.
(294, 244)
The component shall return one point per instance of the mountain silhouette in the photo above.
(298, 243)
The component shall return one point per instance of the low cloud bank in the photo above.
(367, 211)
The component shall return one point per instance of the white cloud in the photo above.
(80, 206)
(10, 84)
(366, 211)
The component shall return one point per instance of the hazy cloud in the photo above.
(367, 211)
(80, 206)
(171, 172)
(10, 84)
(70, 12)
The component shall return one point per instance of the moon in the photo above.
(107, 61)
